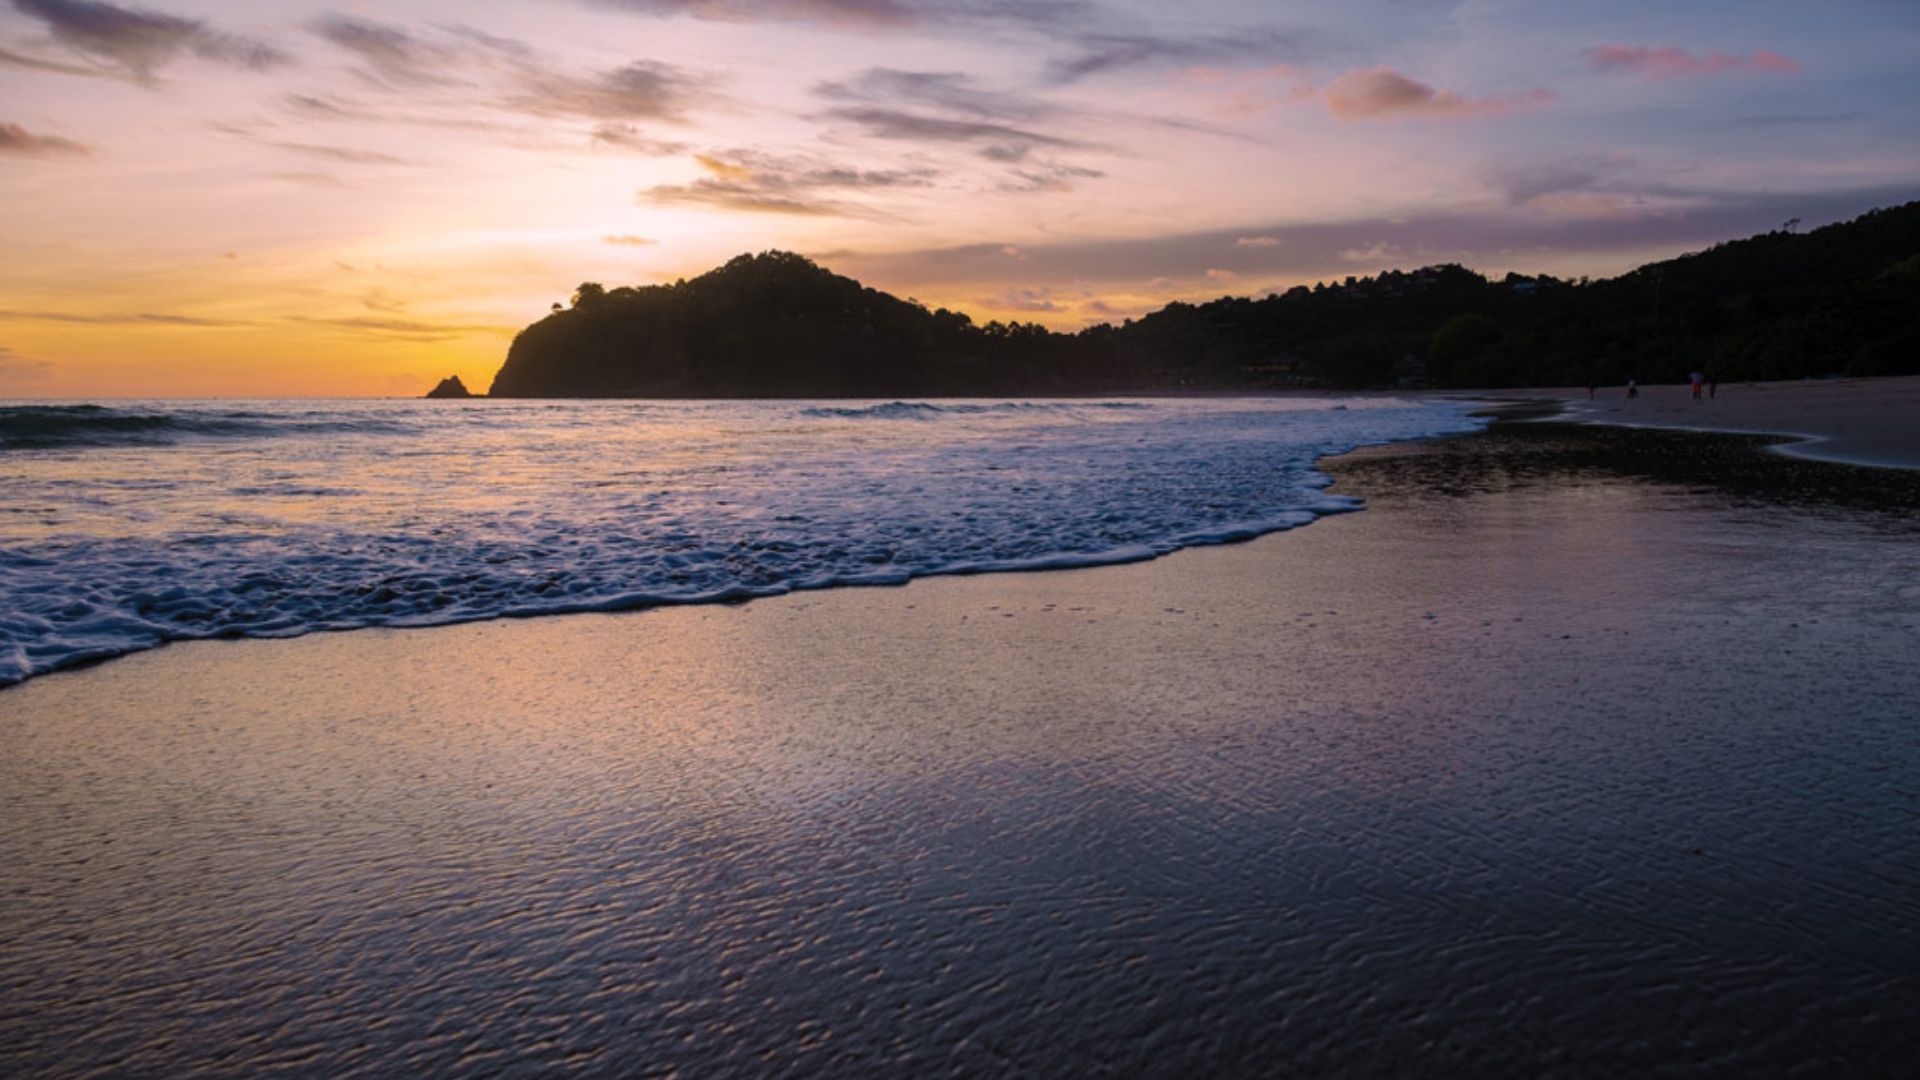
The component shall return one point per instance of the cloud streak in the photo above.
(641, 90)
(631, 138)
(995, 125)
(879, 13)
(140, 42)
(760, 183)
(138, 319)
(460, 58)
(390, 56)
(1109, 52)
(1666, 62)
(947, 91)
(1385, 94)
(1000, 142)
(401, 329)
(343, 154)
(868, 15)
(38, 63)
(20, 142)
(1330, 250)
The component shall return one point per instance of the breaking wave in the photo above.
(49, 427)
(278, 519)
(926, 410)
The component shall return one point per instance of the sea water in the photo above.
(129, 524)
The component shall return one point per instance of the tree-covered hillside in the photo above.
(1842, 299)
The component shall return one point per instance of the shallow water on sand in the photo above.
(129, 526)
(1533, 769)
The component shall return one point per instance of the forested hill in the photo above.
(1842, 299)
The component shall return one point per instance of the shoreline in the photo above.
(1065, 541)
(1398, 791)
(1867, 422)
(1544, 407)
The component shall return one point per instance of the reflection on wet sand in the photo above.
(1565, 756)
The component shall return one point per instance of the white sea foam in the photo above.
(130, 526)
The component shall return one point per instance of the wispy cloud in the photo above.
(1666, 62)
(1523, 180)
(508, 47)
(1588, 186)
(140, 42)
(948, 91)
(10, 58)
(939, 107)
(641, 90)
(864, 14)
(756, 182)
(1022, 299)
(389, 55)
(841, 12)
(345, 155)
(20, 142)
(1333, 249)
(401, 329)
(469, 67)
(1113, 52)
(629, 241)
(629, 137)
(1049, 177)
(116, 319)
(1383, 93)
(1000, 142)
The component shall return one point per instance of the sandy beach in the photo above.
(1582, 751)
(1858, 421)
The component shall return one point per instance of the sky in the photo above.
(228, 198)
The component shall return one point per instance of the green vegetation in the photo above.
(1843, 299)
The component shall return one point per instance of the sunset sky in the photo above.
(217, 197)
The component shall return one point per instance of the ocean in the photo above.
(133, 523)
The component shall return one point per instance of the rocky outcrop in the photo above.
(450, 387)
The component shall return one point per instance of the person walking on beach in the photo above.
(1633, 389)
(1713, 385)
(1697, 380)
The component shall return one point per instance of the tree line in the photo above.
(1844, 299)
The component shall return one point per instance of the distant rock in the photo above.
(450, 387)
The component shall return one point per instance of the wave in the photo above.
(588, 510)
(213, 587)
(926, 410)
(53, 427)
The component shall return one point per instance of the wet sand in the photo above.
(1860, 421)
(1583, 751)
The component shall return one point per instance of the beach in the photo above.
(1858, 421)
(1581, 750)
